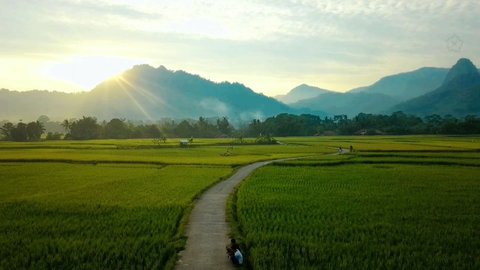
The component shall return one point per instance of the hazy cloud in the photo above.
(270, 45)
(215, 106)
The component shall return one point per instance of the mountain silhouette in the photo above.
(300, 92)
(407, 85)
(348, 103)
(29, 105)
(145, 93)
(459, 94)
(378, 97)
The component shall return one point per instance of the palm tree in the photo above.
(66, 125)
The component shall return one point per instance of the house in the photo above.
(184, 143)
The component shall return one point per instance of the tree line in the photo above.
(88, 128)
(22, 132)
(397, 123)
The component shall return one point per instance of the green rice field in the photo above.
(391, 208)
(66, 216)
(396, 202)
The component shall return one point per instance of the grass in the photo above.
(362, 217)
(71, 216)
(108, 203)
(119, 204)
(92, 152)
(431, 158)
(394, 143)
(396, 203)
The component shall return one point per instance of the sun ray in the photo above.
(148, 94)
(133, 99)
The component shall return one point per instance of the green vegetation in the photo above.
(66, 216)
(22, 132)
(396, 203)
(283, 125)
(124, 203)
(109, 204)
(200, 152)
(398, 123)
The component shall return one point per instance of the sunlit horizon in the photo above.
(270, 47)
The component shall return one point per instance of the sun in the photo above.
(86, 72)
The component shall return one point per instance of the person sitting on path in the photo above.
(234, 253)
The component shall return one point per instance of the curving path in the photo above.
(207, 228)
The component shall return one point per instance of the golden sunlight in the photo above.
(88, 71)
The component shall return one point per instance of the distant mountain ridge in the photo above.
(393, 92)
(459, 94)
(300, 92)
(376, 98)
(29, 105)
(158, 92)
(348, 103)
(147, 93)
(407, 85)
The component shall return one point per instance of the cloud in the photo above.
(263, 43)
(215, 106)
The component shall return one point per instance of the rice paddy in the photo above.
(396, 202)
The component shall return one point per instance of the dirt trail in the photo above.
(207, 228)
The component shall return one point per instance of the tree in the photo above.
(84, 129)
(116, 129)
(471, 124)
(401, 123)
(184, 129)
(168, 128)
(283, 125)
(340, 117)
(34, 131)
(450, 125)
(53, 136)
(204, 129)
(224, 126)
(433, 123)
(6, 131)
(19, 133)
(255, 128)
(66, 125)
(152, 131)
(43, 119)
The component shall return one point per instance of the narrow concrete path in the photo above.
(207, 228)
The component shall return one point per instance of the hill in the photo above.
(348, 103)
(404, 86)
(29, 105)
(145, 93)
(300, 92)
(378, 97)
(459, 94)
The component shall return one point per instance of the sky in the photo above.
(270, 46)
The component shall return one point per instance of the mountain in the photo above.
(142, 93)
(300, 92)
(29, 105)
(459, 94)
(348, 103)
(378, 97)
(407, 85)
